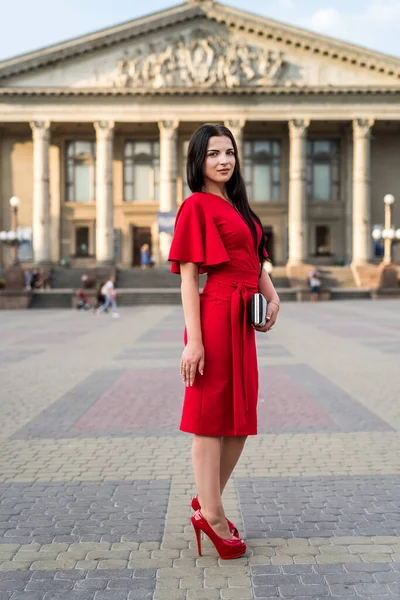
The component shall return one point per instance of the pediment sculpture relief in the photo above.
(201, 60)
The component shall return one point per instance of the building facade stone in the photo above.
(94, 134)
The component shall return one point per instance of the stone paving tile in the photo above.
(14, 356)
(347, 413)
(112, 402)
(295, 398)
(58, 419)
(146, 352)
(303, 507)
(163, 335)
(331, 433)
(110, 584)
(44, 338)
(388, 347)
(331, 581)
(47, 513)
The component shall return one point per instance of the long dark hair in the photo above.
(235, 187)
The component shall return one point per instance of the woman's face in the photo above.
(219, 162)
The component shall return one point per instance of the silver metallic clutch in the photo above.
(258, 310)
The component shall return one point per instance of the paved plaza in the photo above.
(96, 479)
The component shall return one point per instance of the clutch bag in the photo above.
(258, 310)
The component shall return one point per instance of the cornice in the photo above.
(243, 91)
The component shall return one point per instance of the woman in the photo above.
(216, 232)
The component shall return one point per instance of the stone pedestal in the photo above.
(388, 276)
(297, 218)
(41, 194)
(15, 300)
(104, 193)
(14, 277)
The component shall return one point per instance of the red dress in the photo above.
(210, 232)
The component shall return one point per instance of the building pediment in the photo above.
(199, 59)
(200, 46)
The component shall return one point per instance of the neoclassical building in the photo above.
(94, 133)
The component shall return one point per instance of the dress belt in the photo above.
(239, 354)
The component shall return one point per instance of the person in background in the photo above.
(144, 256)
(83, 302)
(314, 278)
(108, 290)
(34, 279)
(28, 279)
(100, 299)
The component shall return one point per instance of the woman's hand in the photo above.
(272, 314)
(192, 360)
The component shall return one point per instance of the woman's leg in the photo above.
(107, 303)
(206, 458)
(232, 448)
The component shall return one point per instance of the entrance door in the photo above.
(141, 235)
(269, 235)
(82, 241)
(323, 241)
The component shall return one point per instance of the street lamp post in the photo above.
(390, 236)
(387, 257)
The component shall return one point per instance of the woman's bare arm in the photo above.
(191, 300)
(193, 354)
(266, 288)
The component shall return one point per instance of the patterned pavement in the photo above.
(95, 479)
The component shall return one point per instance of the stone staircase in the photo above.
(63, 278)
(160, 286)
(279, 277)
(337, 277)
(156, 278)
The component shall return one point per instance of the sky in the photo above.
(28, 25)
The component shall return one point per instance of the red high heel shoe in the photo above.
(226, 549)
(196, 506)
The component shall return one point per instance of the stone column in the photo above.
(362, 240)
(104, 193)
(236, 126)
(297, 218)
(41, 194)
(168, 174)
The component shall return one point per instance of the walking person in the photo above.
(108, 290)
(217, 233)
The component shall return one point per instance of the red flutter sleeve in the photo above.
(266, 255)
(196, 238)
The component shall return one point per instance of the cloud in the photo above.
(326, 19)
(383, 11)
(375, 25)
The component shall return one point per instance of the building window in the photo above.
(80, 171)
(323, 241)
(262, 170)
(323, 170)
(141, 171)
(82, 241)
